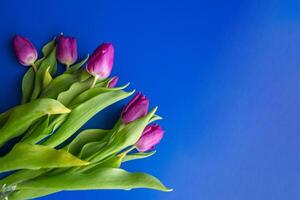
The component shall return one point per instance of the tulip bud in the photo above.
(151, 136)
(66, 50)
(136, 108)
(24, 50)
(113, 82)
(101, 61)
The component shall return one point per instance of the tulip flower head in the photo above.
(101, 61)
(151, 136)
(25, 51)
(113, 82)
(66, 50)
(136, 108)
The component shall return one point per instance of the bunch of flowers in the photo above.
(52, 110)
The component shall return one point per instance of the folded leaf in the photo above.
(47, 78)
(48, 62)
(38, 132)
(27, 156)
(82, 113)
(95, 178)
(21, 117)
(85, 137)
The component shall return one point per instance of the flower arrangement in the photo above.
(52, 110)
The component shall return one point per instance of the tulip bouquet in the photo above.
(50, 155)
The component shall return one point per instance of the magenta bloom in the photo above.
(113, 82)
(101, 61)
(136, 108)
(151, 136)
(24, 50)
(66, 50)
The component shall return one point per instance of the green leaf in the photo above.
(47, 78)
(27, 156)
(76, 89)
(20, 176)
(76, 66)
(30, 194)
(3, 117)
(39, 132)
(85, 137)
(96, 178)
(123, 138)
(48, 62)
(88, 94)
(21, 117)
(155, 118)
(139, 155)
(58, 85)
(27, 85)
(82, 113)
(46, 50)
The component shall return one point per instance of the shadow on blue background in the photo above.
(225, 75)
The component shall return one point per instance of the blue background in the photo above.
(225, 75)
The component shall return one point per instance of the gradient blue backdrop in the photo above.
(225, 75)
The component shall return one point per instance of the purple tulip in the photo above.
(151, 136)
(66, 50)
(136, 108)
(113, 82)
(101, 61)
(24, 50)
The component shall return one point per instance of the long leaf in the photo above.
(21, 117)
(97, 178)
(27, 156)
(82, 113)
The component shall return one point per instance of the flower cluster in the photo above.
(52, 154)
(99, 65)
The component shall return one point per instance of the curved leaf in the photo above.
(86, 136)
(82, 113)
(21, 117)
(96, 178)
(27, 156)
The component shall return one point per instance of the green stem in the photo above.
(67, 67)
(34, 67)
(94, 82)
